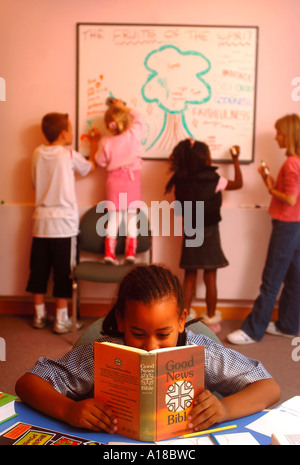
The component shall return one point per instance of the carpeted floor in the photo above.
(24, 345)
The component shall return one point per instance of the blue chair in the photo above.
(96, 270)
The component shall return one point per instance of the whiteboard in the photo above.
(187, 81)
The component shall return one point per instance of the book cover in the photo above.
(25, 434)
(283, 439)
(151, 393)
(7, 407)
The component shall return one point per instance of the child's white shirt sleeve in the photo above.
(81, 164)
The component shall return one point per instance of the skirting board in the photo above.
(94, 310)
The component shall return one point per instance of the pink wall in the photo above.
(38, 63)
(38, 56)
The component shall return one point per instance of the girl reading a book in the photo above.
(149, 313)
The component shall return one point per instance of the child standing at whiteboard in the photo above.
(282, 268)
(195, 179)
(55, 218)
(120, 154)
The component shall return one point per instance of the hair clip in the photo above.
(113, 125)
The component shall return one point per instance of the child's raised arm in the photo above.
(95, 136)
(237, 183)
(89, 413)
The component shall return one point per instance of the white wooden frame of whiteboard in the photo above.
(172, 26)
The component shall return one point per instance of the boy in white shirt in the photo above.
(55, 218)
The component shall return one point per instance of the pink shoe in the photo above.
(130, 249)
(110, 247)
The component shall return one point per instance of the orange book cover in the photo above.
(151, 393)
(180, 378)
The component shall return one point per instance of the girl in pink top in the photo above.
(283, 259)
(120, 154)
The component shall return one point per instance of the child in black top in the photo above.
(195, 179)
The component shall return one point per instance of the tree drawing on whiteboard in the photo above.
(175, 81)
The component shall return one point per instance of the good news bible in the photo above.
(151, 393)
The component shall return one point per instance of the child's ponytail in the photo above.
(117, 120)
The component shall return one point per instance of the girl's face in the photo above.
(152, 326)
(280, 138)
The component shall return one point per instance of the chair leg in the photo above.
(74, 308)
(78, 300)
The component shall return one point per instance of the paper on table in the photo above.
(292, 405)
(284, 419)
(237, 439)
(193, 441)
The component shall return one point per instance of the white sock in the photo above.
(62, 314)
(40, 310)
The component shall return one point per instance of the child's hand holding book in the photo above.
(207, 411)
(91, 414)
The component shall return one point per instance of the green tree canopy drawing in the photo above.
(175, 81)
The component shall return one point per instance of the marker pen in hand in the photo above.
(266, 171)
(234, 150)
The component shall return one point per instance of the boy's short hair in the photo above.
(53, 124)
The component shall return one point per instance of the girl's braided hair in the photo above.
(146, 284)
(187, 159)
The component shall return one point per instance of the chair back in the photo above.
(91, 241)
